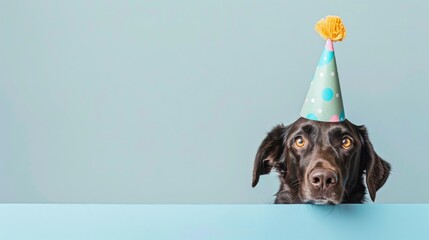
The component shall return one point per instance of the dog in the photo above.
(321, 162)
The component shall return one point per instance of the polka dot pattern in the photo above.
(327, 56)
(312, 116)
(334, 118)
(327, 94)
(342, 116)
(324, 100)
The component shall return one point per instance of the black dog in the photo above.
(321, 162)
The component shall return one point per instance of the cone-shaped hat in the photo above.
(324, 100)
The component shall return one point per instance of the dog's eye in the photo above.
(346, 143)
(299, 142)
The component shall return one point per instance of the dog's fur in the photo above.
(323, 151)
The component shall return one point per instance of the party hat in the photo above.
(324, 100)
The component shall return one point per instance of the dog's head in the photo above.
(321, 162)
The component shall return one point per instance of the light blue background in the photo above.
(167, 101)
(165, 221)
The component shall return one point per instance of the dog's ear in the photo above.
(377, 170)
(270, 153)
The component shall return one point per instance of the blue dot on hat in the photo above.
(326, 57)
(312, 116)
(342, 116)
(327, 94)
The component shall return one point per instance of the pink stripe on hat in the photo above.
(329, 45)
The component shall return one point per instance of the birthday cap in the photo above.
(324, 101)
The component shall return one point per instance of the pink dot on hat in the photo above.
(334, 118)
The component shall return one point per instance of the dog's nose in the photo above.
(323, 178)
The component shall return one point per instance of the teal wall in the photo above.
(167, 101)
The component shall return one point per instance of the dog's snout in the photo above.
(323, 178)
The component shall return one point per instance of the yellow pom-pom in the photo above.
(331, 28)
